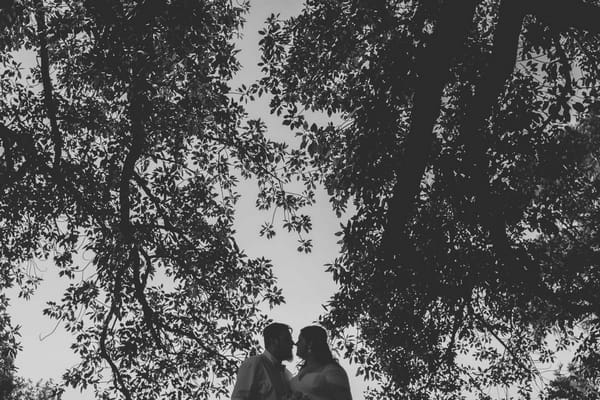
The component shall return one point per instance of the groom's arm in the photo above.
(245, 380)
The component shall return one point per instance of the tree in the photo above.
(570, 388)
(583, 378)
(125, 142)
(8, 342)
(475, 234)
(27, 390)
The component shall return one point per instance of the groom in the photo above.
(263, 377)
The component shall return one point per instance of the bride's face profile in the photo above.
(301, 347)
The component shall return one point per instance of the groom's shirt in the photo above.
(261, 377)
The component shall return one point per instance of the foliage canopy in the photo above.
(475, 240)
(475, 235)
(125, 142)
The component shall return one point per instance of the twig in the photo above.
(490, 329)
(44, 337)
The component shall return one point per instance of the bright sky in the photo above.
(306, 285)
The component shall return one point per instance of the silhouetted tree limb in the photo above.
(565, 70)
(36, 163)
(166, 217)
(487, 92)
(10, 137)
(137, 110)
(144, 13)
(565, 14)
(47, 82)
(455, 21)
(139, 282)
(492, 331)
(113, 312)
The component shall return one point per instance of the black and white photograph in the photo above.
(300, 199)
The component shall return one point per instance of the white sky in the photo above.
(306, 285)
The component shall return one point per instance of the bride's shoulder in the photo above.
(334, 373)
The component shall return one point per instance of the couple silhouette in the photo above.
(320, 377)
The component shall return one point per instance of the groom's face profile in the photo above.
(283, 347)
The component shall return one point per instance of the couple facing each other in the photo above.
(320, 377)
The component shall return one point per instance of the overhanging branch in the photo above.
(434, 66)
(488, 327)
(565, 14)
(118, 380)
(137, 108)
(47, 82)
(37, 163)
(487, 92)
(565, 69)
(139, 283)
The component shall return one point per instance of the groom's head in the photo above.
(278, 341)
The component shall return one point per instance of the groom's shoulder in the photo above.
(252, 360)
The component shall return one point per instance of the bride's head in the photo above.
(312, 345)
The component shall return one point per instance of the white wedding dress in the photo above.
(329, 382)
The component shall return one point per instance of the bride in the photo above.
(320, 376)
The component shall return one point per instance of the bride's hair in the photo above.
(316, 337)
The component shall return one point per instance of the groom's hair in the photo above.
(274, 331)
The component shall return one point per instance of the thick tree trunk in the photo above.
(456, 20)
(487, 92)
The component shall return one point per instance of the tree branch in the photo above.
(137, 107)
(117, 377)
(47, 82)
(434, 68)
(160, 209)
(149, 267)
(8, 156)
(487, 91)
(459, 316)
(189, 333)
(37, 163)
(139, 284)
(9, 136)
(565, 69)
(510, 351)
(144, 12)
(565, 14)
